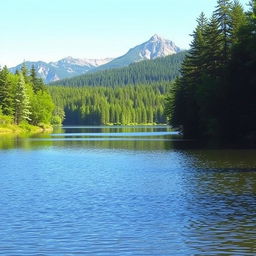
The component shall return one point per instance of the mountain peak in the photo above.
(154, 48)
(68, 58)
(69, 66)
(156, 37)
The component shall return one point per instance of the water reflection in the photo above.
(139, 138)
(133, 138)
(94, 194)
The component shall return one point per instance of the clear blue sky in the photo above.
(49, 30)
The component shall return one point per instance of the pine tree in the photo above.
(238, 18)
(21, 102)
(38, 84)
(241, 102)
(182, 109)
(6, 97)
(195, 59)
(33, 74)
(224, 19)
(214, 48)
(24, 71)
(217, 101)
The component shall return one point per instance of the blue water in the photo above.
(85, 194)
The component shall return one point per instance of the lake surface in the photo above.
(124, 191)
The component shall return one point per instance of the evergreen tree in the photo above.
(224, 19)
(33, 75)
(238, 18)
(184, 108)
(38, 84)
(241, 102)
(21, 102)
(214, 48)
(215, 96)
(24, 71)
(6, 97)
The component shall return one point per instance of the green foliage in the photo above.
(215, 96)
(6, 94)
(21, 102)
(130, 95)
(5, 120)
(24, 99)
(131, 104)
(238, 20)
(37, 83)
(144, 72)
(223, 17)
(41, 114)
(241, 83)
(24, 71)
(58, 116)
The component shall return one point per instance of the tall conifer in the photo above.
(21, 102)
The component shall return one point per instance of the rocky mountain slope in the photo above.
(69, 67)
(64, 68)
(154, 48)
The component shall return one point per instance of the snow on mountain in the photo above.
(68, 67)
(64, 68)
(154, 48)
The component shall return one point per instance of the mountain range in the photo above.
(69, 67)
(163, 69)
(64, 68)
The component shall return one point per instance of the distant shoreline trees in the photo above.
(129, 95)
(130, 104)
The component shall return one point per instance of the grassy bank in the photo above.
(8, 127)
(23, 129)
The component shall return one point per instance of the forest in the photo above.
(144, 72)
(24, 100)
(215, 97)
(130, 104)
(131, 95)
(107, 99)
(212, 98)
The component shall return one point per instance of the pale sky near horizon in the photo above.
(49, 30)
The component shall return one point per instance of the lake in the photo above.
(124, 191)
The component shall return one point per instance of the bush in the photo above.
(5, 120)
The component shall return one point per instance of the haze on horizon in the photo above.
(51, 30)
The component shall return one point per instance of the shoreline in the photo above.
(134, 124)
(12, 129)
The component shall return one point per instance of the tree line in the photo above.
(131, 104)
(215, 97)
(144, 72)
(24, 98)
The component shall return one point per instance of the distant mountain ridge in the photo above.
(69, 67)
(163, 69)
(64, 68)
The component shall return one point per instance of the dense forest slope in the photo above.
(144, 72)
(131, 104)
